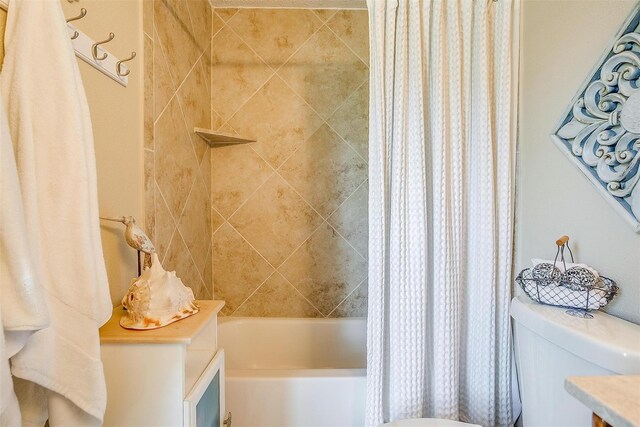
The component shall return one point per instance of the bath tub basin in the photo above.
(294, 372)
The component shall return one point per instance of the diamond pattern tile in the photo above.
(349, 25)
(351, 220)
(325, 171)
(238, 269)
(216, 220)
(237, 171)
(163, 87)
(176, 162)
(226, 13)
(324, 14)
(165, 225)
(236, 73)
(195, 223)
(200, 14)
(179, 260)
(175, 32)
(355, 305)
(194, 96)
(275, 220)
(277, 298)
(177, 59)
(278, 119)
(275, 34)
(324, 72)
(351, 120)
(325, 269)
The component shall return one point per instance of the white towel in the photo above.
(22, 303)
(51, 131)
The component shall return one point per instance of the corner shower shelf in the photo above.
(217, 139)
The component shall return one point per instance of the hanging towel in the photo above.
(51, 132)
(22, 302)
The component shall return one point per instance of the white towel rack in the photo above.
(83, 44)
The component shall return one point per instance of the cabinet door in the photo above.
(204, 405)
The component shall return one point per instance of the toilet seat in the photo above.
(429, 422)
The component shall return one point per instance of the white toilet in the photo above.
(552, 345)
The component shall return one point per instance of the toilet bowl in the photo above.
(429, 422)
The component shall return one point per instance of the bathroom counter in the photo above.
(182, 331)
(615, 399)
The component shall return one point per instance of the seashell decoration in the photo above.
(157, 298)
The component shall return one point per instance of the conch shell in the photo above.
(156, 299)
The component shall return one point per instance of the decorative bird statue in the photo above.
(136, 238)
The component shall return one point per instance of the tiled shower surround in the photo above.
(289, 212)
(177, 37)
(287, 230)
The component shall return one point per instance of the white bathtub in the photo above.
(294, 372)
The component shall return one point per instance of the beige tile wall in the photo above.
(289, 212)
(177, 162)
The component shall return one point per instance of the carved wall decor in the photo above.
(600, 131)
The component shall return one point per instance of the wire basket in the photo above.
(575, 288)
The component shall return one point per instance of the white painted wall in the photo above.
(116, 115)
(561, 42)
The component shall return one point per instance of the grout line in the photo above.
(271, 74)
(347, 240)
(295, 52)
(324, 21)
(349, 295)
(366, 63)
(250, 195)
(301, 294)
(306, 239)
(252, 293)
(171, 77)
(164, 258)
(193, 27)
(345, 200)
(220, 215)
(175, 93)
(195, 264)
(173, 222)
(338, 133)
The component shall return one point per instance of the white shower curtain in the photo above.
(442, 156)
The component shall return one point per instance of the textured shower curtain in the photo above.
(442, 149)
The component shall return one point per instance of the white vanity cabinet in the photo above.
(171, 376)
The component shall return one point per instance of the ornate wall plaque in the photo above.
(600, 131)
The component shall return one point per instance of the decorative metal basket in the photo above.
(575, 288)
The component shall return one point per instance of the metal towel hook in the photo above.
(94, 48)
(119, 64)
(83, 13)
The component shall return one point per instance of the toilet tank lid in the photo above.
(605, 340)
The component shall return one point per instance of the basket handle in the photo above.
(562, 242)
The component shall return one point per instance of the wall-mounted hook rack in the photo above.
(82, 44)
(94, 54)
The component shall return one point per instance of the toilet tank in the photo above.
(551, 345)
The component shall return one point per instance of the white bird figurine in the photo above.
(136, 238)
